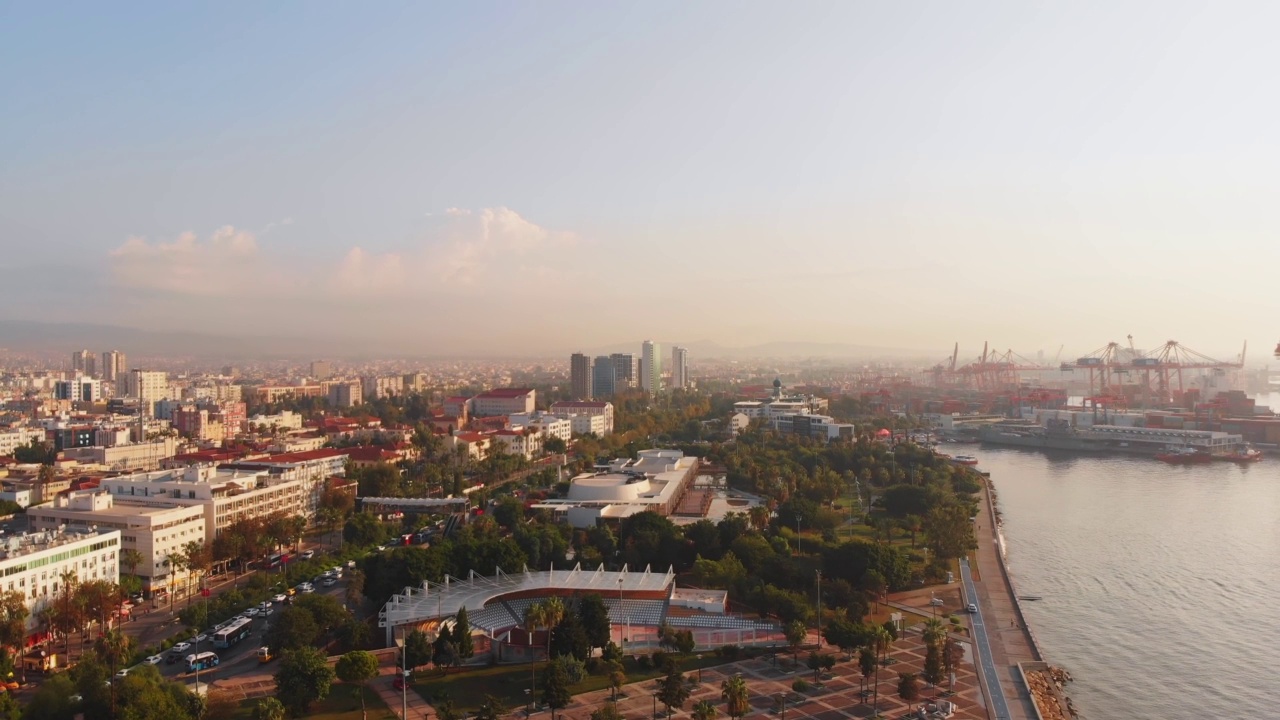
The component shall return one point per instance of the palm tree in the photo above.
(177, 562)
(734, 692)
(704, 710)
(131, 559)
(934, 631)
(881, 640)
(555, 613)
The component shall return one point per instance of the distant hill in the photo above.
(66, 337)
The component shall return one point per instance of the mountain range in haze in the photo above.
(42, 337)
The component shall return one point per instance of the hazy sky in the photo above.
(546, 176)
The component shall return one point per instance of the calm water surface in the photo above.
(1159, 583)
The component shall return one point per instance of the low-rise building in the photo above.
(286, 420)
(33, 564)
(138, 456)
(14, 438)
(525, 442)
(551, 426)
(345, 394)
(818, 427)
(156, 532)
(504, 401)
(657, 480)
(377, 387)
(568, 409)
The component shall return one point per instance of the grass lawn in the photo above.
(508, 683)
(343, 703)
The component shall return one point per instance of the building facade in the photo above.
(651, 367)
(345, 394)
(34, 564)
(321, 369)
(603, 377)
(580, 376)
(624, 370)
(679, 368)
(155, 532)
(114, 366)
(504, 401)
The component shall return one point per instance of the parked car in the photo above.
(279, 598)
(329, 581)
(155, 660)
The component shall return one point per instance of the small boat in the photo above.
(1242, 454)
(1184, 456)
(965, 460)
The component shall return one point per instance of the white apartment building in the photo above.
(819, 427)
(286, 420)
(33, 564)
(224, 495)
(504, 401)
(588, 409)
(156, 532)
(526, 443)
(551, 426)
(79, 389)
(378, 387)
(15, 438)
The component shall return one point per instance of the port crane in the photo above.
(1106, 367)
(1162, 370)
(996, 371)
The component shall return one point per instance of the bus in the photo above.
(202, 661)
(277, 560)
(233, 633)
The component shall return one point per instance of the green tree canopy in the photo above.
(358, 667)
(303, 678)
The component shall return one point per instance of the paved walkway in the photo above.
(1009, 639)
(839, 697)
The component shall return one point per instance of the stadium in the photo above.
(639, 604)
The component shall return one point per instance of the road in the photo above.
(986, 663)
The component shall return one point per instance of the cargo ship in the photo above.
(1059, 435)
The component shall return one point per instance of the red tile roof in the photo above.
(372, 453)
(303, 456)
(471, 437)
(505, 393)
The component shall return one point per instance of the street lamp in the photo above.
(819, 572)
(655, 706)
(782, 697)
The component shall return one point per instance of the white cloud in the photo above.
(468, 249)
(227, 262)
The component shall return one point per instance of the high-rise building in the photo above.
(114, 366)
(580, 383)
(603, 377)
(148, 386)
(624, 370)
(81, 389)
(345, 394)
(679, 367)
(321, 369)
(83, 361)
(651, 367)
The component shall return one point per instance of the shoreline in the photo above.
(1025, 675)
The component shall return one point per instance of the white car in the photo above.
(268, 611)
(972, 608)
(200, 638)
(329, 581)
(308, 554)
(308, 588)
(336, 570)
(180, 648)
(220, 625)
(264, 604)
(279, 598)
(155, 660)
(123, 673)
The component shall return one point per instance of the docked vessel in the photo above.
(1184, 456)
(1242, 454)
(965, 460)
(1059, 435)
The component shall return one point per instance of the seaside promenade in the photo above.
(1009, 638)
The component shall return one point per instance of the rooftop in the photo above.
(14, 546)
(445, 599)
(505, 393)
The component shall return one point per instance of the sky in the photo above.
(544, 177)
